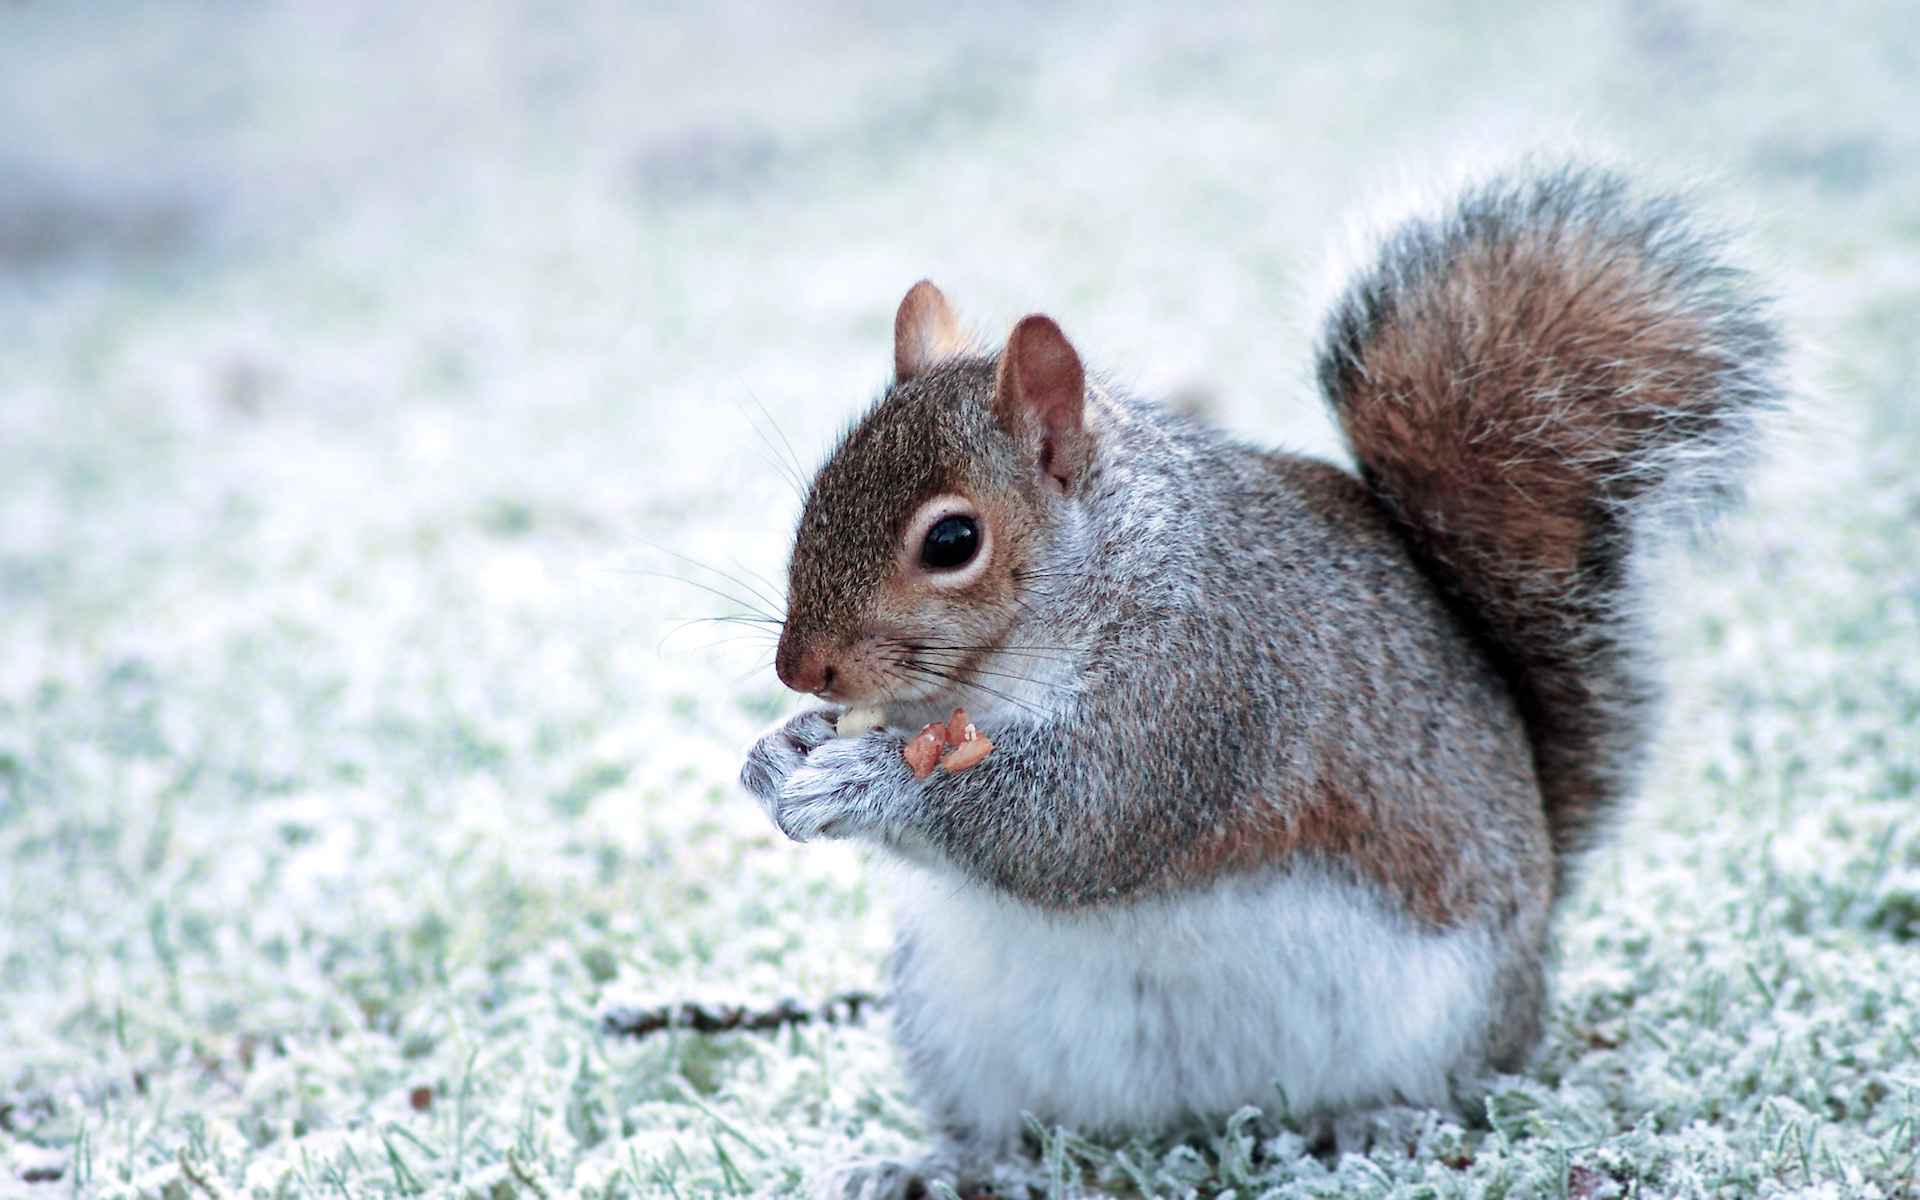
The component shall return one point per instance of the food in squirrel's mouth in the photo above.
(860, 719)
(956, 738)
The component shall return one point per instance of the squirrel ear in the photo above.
(1041, 398)
(925, 331)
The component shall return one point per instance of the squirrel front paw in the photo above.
(836, 791)
(812, 784)
(779, 752)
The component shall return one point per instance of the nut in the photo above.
(967, 753)
(859, 719)
(924, 750)
(959, 727)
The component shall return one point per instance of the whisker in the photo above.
(784, 467)
(1029, 651)
(951, 660)
(779, 468)
(760, 664)
(752, 632)
(769, 591)
(749, 673)
(710, 645)
(1055, 688)
(729, 597)
(733, 618)
(754, 591)
(935, 673)
(799, 468)
(995, 646)
(1010, 698)
(1029, 576)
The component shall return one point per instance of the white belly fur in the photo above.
(1155, 1012)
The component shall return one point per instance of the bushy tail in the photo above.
(1526, 380)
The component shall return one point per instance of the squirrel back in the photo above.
(1531, 382)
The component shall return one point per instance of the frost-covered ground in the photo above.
(363, 368)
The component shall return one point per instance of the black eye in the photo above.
(952, 542)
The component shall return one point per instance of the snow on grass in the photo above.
(362, 372)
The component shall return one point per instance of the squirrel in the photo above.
(1290, 764)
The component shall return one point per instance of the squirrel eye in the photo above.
(952, 542)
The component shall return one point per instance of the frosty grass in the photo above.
(364, 369)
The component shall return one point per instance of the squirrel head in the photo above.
(922, 530)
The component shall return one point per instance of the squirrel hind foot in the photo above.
(938, 1176)
(870, 1179)
(1398, 1126)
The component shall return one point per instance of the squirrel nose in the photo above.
(812, 673)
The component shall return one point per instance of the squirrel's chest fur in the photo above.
(1146, 1014)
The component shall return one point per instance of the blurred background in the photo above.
(382, 388)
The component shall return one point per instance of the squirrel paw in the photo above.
(872, 1179)
(1394, 1125)
(778, 754)
(813, 784)
(833, 792)
(938, 1174)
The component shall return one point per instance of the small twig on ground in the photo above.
(847, 1008)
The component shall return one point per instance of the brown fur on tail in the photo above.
(1526, 380)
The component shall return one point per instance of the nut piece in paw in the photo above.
(958, 727)
(968, 752)
(924, 751)
(860, 719)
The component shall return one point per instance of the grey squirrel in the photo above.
(1289, 765)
